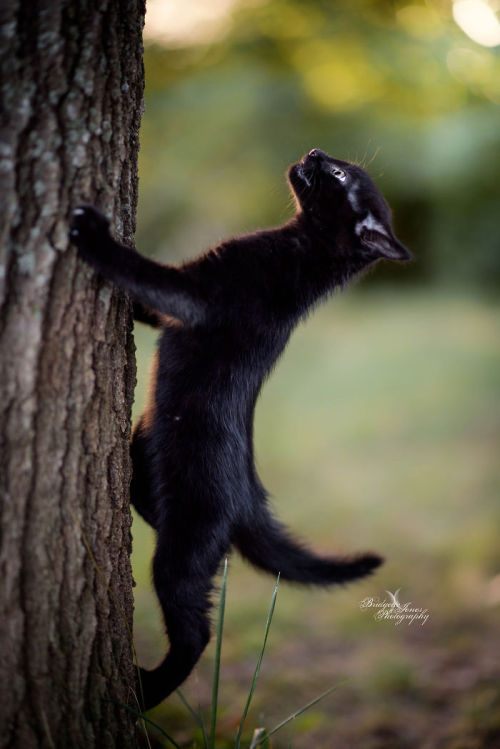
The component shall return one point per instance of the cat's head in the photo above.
(341, 198)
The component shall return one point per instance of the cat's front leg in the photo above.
(162, 288)
(89, 231)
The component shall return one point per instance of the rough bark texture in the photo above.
(71, 100)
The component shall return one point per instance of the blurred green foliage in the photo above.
(379, 427)
(397, 79)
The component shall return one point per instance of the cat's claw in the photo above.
(87, 225)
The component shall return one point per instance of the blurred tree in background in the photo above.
(397, 83)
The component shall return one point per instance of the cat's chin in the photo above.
(298, 180)
(296, 172)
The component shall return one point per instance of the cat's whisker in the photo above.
(377, 151)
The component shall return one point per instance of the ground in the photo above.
(378, 430)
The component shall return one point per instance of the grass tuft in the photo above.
(266, 735)
(259, 662)
(215, 685)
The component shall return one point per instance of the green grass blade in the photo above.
(188, 706)
(259, 662)
(147, 720)
(198, 716)
(215, 686)
(203, 728)
(46, 730)
(291, 717)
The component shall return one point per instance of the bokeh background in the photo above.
(379, 427)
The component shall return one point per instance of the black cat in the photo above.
(225, 318)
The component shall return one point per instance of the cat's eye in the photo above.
(339, 173)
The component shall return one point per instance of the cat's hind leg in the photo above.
(141, 487)
(188, 627)
(185, 562)
(267, 545)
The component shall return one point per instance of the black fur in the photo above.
(225, 318)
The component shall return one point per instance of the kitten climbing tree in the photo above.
(71, 98)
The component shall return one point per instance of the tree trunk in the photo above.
(71, 100)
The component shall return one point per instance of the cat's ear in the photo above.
(383, 245)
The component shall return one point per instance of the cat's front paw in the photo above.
(88, 227)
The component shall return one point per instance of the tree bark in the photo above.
(71, 101)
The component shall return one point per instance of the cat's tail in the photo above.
(267, 545)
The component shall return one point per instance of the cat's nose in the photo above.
(317, 153)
